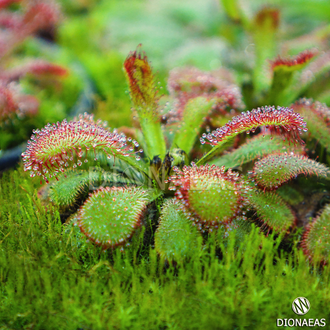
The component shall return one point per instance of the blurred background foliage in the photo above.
(178, 33)
(92, 38)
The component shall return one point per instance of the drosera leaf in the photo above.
(272, 171)
(188, 83)
(145, 100)
(282, 121)
(313, 81)
(295, 63)
(283, 71)
(272, 211)
(257, 147)
(73, 183)
(141, 81)
(316, 239)
(210, 196)
(193, 116)
(176, 237)
(317, 116)
(193, 82)
(110, 216)
(264, 29)
(64, 144)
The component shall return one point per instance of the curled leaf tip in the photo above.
(283, 121)
(317, 116)
(321, 110)
(296, 61)
(274, 170)
(141, 80)
(315, 241)
(64, 144)
(268, 16)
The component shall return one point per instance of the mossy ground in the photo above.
(51, 278)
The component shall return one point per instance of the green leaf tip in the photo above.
(317, 116)
(145, 100)
(282, 121)
(256, 147)
(74, 183)
(272, 211)
(316, 239)
(193, 116)
(176, 237)
(110, 216)
(274, 170)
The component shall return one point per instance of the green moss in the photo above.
(51, 279)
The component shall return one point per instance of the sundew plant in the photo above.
(109, 183)
(210, 208)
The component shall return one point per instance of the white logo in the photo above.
(301, 306)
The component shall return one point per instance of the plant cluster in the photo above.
(209, 200)
(235, 182)
(16, 28)
(23, 79)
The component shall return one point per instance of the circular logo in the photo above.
(301, 306)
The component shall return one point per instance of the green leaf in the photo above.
(72, 184)
(274, 170)
(264, 32)
(144, 96)
(233, 10)
(316, 239)
(317, 116)
(111, 215)
(257, 147)
(176, 237)
(211, 196)
(281, 120)
(192, 119)
(283, 74)
(272, 210)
